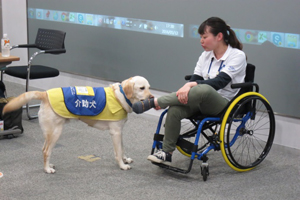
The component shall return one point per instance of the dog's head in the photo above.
(136, 88)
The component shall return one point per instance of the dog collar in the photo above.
(127, 100)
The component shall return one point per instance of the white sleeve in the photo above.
(199, 66)
(236, 64)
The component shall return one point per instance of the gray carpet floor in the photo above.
(21, 163)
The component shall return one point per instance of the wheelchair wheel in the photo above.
(247, 131)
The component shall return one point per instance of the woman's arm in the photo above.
(219, 82)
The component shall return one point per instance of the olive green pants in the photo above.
(201, 98)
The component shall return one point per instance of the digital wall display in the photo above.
(247, 36)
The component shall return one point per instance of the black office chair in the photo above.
(47, 41)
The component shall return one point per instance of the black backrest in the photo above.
(47, 39)
(250, 71)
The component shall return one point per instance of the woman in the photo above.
(221, 64)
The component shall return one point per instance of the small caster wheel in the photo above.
(204, 171)
(10, 136)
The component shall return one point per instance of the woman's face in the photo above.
(208, 41)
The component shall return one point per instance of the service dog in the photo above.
(125, 93)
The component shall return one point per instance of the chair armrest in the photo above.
(245, 85)
(52, 51)
(187, 77)
(23, 46)
(55, 51)
(26, 46)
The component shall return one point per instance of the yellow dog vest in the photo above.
(113, 111)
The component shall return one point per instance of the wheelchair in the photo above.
(244, 131)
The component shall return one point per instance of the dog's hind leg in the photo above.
(51, 125)
(51, 138)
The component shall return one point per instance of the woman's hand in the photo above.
(157, 107)
(183, 92)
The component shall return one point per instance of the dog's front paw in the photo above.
(127, 160)
(125, 167)
(50, 169)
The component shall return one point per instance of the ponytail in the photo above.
(218, 25)
(232, 39)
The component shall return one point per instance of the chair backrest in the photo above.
(250, 71)
(47, 39)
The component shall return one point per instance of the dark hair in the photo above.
(217, 25)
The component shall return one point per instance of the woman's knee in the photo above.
(200, 91)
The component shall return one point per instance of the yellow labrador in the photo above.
(128, 92)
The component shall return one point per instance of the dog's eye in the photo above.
(142, 88)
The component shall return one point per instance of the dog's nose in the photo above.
(151, 96)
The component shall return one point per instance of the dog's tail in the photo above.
(21, 100)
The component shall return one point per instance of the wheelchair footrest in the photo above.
(174, 169)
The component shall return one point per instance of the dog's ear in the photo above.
(128, 88)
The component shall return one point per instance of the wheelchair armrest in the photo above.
(245, 85)
(55, 51)
(187, 77)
